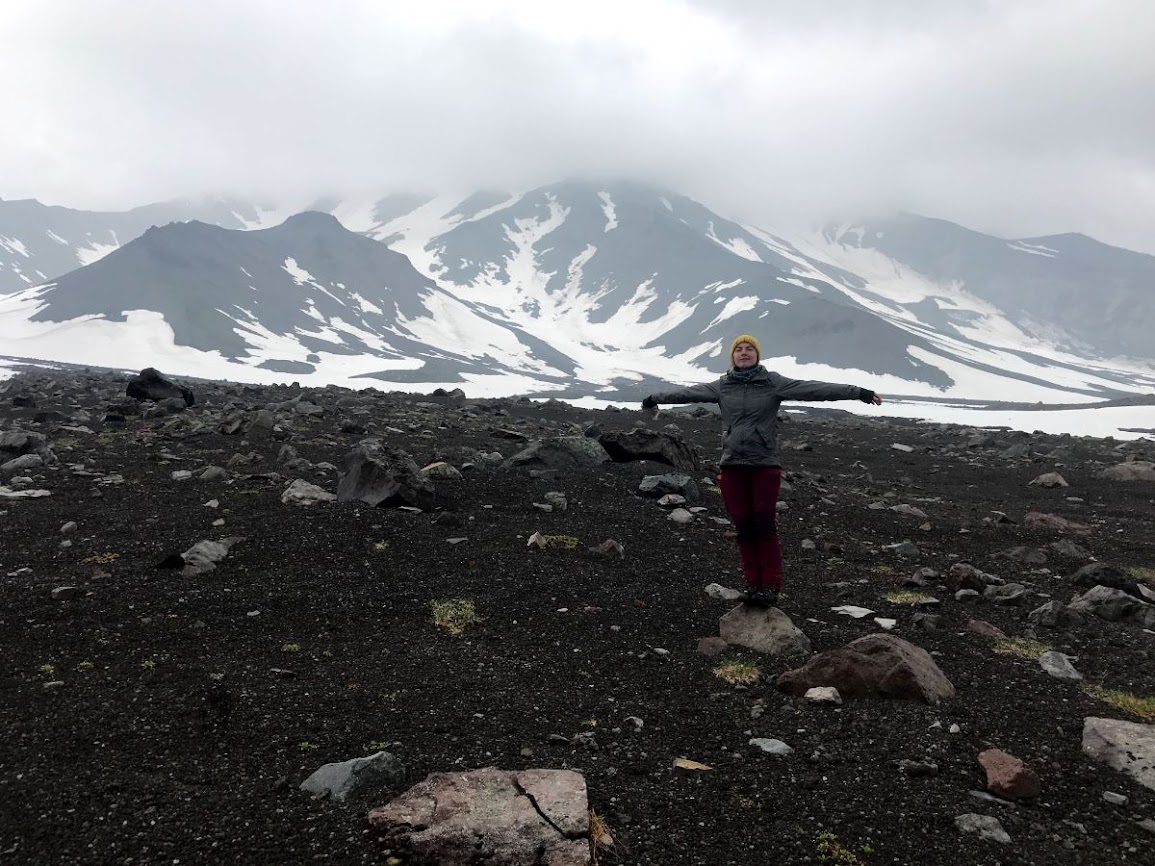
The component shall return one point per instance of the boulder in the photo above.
(1125, 746)
(1133, 470)
(765, 630)
(1106, 603)
(385, 477)
(878, 666)
(643, 444)
(149, 384)
(1102, 574)
(491, 816)
(560, 452)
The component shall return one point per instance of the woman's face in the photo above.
(745, 356)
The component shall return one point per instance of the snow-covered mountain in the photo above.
(575, 289)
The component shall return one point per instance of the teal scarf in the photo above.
(746, 375)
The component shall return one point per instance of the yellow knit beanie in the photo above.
(745, 338)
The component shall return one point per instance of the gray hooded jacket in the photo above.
(750, 410)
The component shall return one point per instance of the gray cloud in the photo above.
(1019, 117)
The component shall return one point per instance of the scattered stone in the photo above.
(824, 695)
(985, 629)
(986, 826)
(203, 556)
(1050, 481)
(1059, 666)
(1007, 594)
(918, 769)
(680, 515)
(65, 593)
(905, 449)
(852, 611)
(777, 748)
(722, 593)
(1115, 799)
(303, 493)
(348, 778)
(214, 473)
(442, 471)
(1007, 776)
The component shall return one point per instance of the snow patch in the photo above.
(609, 210)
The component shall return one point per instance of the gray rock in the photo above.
(764, 630)
(986, 826)
(1134, 470)
(560, 452)
(1008, 594)
(347, 778)
(68, 528)
(557, 500)
(382, 476)
(214, 473)
(642, 444)
(203, 556)
(772, 747)
(909, 510)
(1125, 746)
(20, 464)
(1106, 603)
(1055, 614)
(1050, 481)
(680, 515)
(723, 593)
(1114, 799)
(1059, 666)
(659, 485)
(442, 471)
(301, 492)
(824, 695)
(65, 593)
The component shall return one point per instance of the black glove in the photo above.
(649, 403)
(865, 395)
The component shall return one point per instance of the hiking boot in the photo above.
(758, 597)
(771, 597)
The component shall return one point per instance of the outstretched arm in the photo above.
(799, 389)
(706, 393)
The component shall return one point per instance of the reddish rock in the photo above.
(875, 666)
(1007, 776)
(491, 816)
(1054, 523)
(984, 628)
(963, 575)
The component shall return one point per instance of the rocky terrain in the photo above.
(202, 605)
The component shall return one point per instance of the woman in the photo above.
(749, 396)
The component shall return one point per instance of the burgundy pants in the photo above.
(750, 494)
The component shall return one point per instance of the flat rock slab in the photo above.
(878, 666)
(765, 630)
(492, 816)
(1125, 746)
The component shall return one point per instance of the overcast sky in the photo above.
(1018, 117)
